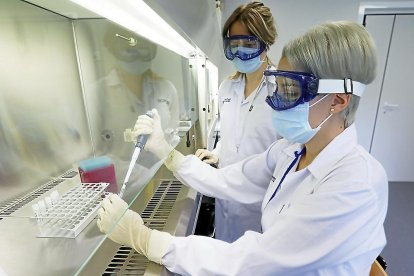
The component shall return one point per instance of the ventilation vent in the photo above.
(12, 206)
(127, 261)
(69, 174)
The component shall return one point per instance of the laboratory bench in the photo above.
(165, 204)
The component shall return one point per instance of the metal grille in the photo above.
(15, 204)
(127, 261)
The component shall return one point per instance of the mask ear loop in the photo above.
(319, 100)
(327, 118)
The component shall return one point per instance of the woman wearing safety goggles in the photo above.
(324, 197)
(245, 119)
(290, 94)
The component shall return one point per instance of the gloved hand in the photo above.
(128, 228)
(156, 142)
(206, 156)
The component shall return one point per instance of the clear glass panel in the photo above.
(43, 128)
(48, 126)
(43, 132)
(124, 76)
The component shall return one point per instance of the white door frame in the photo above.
(391, 7)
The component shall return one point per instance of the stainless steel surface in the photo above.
(11, 206)
(171, 209)
(43, 130)
(23, 253)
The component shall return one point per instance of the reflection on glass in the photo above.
(127, 88)
(43, 127)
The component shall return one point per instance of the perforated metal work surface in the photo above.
(15, 204)
(155, 215)
(127, 262)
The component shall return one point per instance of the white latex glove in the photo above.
(156, 142)
(128, 228)
(206, 156)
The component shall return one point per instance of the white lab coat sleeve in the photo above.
(322, 231)
(244, 182)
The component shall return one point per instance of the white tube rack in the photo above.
(73, 212)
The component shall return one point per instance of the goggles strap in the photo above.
(348, 86)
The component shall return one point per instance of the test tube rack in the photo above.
(73, 211)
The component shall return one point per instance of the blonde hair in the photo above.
(336, 50)
(258, 20)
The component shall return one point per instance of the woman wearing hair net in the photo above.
(324, 198)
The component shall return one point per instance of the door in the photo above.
(393, 133)
(380, 27)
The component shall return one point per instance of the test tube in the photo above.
(48, 202)
(42, 207)
(54, 196)
(35, 208)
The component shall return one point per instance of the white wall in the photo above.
(293, 18)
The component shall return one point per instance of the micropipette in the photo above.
(141, 140)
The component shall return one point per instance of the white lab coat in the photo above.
(246, 128)
(326, 219)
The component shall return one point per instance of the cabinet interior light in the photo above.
(137, 16)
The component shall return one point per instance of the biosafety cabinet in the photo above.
(74, 75)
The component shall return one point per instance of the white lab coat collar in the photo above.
(238, 79)
(237, 85)
(340, 146)
(290, 150)
(331, 154)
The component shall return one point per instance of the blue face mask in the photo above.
(293, 124)
(247, 66)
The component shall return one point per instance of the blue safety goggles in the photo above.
(287, 89)
(244, 47)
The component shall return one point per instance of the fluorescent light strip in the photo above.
(138, 17)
